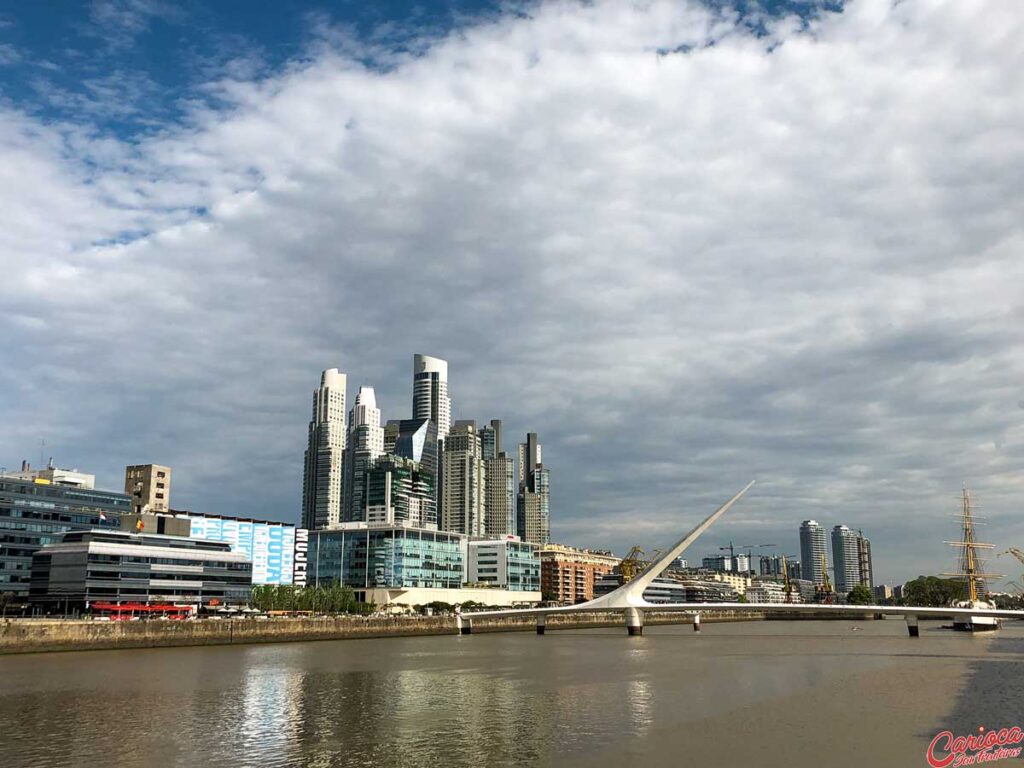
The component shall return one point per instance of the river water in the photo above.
(791, 694)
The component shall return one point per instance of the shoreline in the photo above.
(21, 636)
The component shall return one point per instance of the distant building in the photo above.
(365, 444)
(770, 566)
(400, 565)
(35, 512)
(866, 574)
(883, 592)
(86, 567)
(268, 545)
(661, 590)
(766, 592)
(806, 588)
(507, 563)
(149, 485)
(68, 478)
(845, 557)
(430, 398)
(721, 563)
(813, 551)
(400, 491)
(463, 482)
(533, 502)
(323, 470)
(499, 472)
(738, 582)
(567, 574)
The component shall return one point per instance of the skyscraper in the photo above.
(813, 551)
(845, 558)
(416, 440)
(400, 492)
(430, 392)
(499, 469)
(365, 445)
(867, 576)
(322, 477)
(463, 483)
(533, 506)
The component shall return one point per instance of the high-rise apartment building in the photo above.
(463, 482)
(400, 492)
(416, 440)
(499, 470)
(365, 446)
(149, 485)
(813, 551)
(867, 577)
(845, 558)
(322, 478)
(430, 392)
(533, 506)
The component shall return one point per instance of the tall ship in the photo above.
(971, 571)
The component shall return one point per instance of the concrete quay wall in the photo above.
(43, 635)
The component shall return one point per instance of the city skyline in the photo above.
(685, 247)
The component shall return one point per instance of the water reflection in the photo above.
(588, 698)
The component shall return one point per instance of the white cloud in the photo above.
(794, 256)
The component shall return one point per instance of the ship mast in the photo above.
(970, 563)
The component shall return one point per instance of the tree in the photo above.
(860, 595)
(932, 591)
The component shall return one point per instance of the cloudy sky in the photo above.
(688, 245)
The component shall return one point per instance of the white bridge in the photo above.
(629, 598)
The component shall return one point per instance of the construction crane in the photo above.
(731, 549)
(826, 594)
(1020, 556)
(632, 563)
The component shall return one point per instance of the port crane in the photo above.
(1020, 556)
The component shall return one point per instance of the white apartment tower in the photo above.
(846, 558)
(365, 446)
(430, 392)
(813, 551)
(322, 476)
(464, 485)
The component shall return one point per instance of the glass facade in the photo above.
(33, 514)
(389, 557)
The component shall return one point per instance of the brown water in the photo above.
(760, 693)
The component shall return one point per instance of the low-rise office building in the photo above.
(661, 590)
(394, 564)
(37, 510)
(87, 567)
(508, 563)
(568, 575)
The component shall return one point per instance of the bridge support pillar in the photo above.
(696, 622)
(912, 627)
(541, 624)
(634, 621)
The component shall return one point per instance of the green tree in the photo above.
(932, 591)
(860, 595)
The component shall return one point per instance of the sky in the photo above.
(689, 244)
